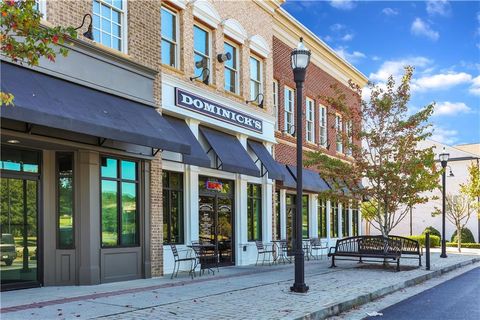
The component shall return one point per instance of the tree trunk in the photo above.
(459, 239)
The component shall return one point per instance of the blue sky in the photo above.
(441, 39)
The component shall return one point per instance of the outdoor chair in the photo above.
(317, 244)
(261, 250)
(206, 258)
(179, 260)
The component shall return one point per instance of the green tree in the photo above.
(25, 40)
(471, 189)
(398, 172)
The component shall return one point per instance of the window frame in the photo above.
(289, 111)
(323, 126)
(339, 133)
(181, 192)
(124, 24)
(57, 200)
(310, 111)
(355, 220)
(259, 82)
(275, 92)
(346, 221)
(334, 220)
(235, 71)
(322, 212)
(119, 181)
(349, 132)
(251, 214)
(209, 48)
(41, 6)
(176, 42)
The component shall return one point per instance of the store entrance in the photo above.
(291, 202)
(19, 250)
(216, 217)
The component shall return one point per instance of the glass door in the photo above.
(225, 230)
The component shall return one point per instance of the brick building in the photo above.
(322, 218)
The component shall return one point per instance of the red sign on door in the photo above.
(214, 185)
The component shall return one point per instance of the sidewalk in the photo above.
(236, 292)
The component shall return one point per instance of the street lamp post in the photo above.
(300, 59)
(443, 157)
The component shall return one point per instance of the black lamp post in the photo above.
(300, 60)
(443, 157)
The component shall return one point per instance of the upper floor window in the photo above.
(323, 126)
(231, 68)
(109, 23)
(339, 132)
(255, 79)
(201, 49)
(289, 101)
(169, 37)
(41, 6)
(349, 131)
(310, 121)
(275, 102)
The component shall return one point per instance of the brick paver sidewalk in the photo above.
(234, 293)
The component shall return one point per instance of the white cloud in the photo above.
(376, 58)
(440, 81)
(422, 28)
(343, 4)
(351, 57)
(390, 11)
(347, 37)
(395, 67)
(337, 27)
(446, 136)
(450, 108)
(438, 7)
(475, 87)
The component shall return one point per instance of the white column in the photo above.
(283, 214)
(267, 212)
(191, 204)
(360, 224)
(329, 210)
(350, 213)
(241, 236)
(340, 227)
(313, 219)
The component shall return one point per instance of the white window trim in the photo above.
(237, 71)
(177, 40)
(260, 82)
(42, 8)
(339, 133)
(209, 37)
(123, 15)
(275, 103)
(325, 142)
(310, 110)
(292, 110)
(349, 132)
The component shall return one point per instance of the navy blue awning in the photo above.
(273, 168)
(311, 179)
(288, 179)
(197, 155)
(44, 100)
(233, 156)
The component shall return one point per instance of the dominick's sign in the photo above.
(212, 109)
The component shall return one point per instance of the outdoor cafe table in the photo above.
(203, 252)
(279, 253)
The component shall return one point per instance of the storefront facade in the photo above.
(322, 218)
(222, 193)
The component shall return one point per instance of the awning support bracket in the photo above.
(28, 128)
(155, 151)
(101, 141)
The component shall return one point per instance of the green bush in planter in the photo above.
(467, 236)
(464, 245)
(433, 231)
(434, 240)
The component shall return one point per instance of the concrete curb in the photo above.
(338, 308)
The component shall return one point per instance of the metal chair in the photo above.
(317, 244)
(262, 250)
(205, 258)
(179, 260)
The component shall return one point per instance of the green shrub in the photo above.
(434, 240)
(465, 245)
(467, 236)
(433, 231)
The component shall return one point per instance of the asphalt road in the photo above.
(457, 298)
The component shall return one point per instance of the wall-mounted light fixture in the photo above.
(257, 98)
(222, 57)
(87, 34)
(202, 64)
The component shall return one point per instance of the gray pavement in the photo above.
(234, 293)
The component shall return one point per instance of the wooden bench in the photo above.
(371, 247)
(410, 248)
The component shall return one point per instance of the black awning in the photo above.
(288, 179)
(233, 156)
(273, 168)
(48, 101)
(197, 155)
(311, 179)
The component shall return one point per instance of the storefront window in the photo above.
(277, 215)
(345, 224)
(355, 220)
(119, 186)
(254, 211)
(334, 220)
(172, 207)
(19, 160)
(322, 218)
(65, 200)
(305, 218)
